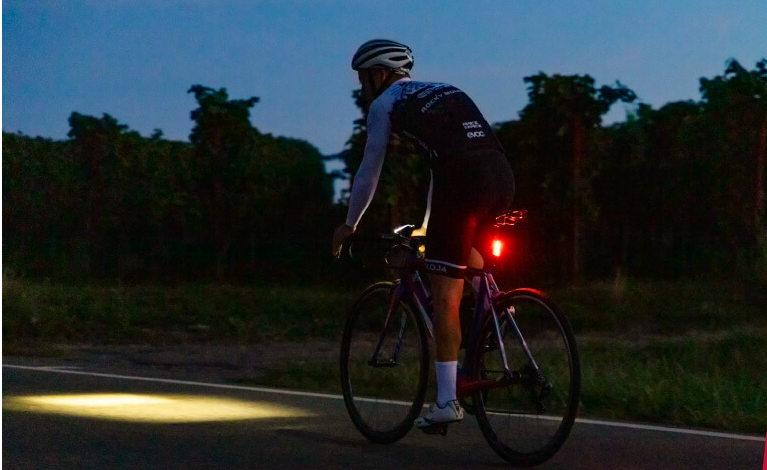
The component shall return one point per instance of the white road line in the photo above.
(66, 370)
(173, 381)
(648, 427)
(55, 368)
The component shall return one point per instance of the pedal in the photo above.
(434, 429)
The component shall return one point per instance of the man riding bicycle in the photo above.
(471, 182)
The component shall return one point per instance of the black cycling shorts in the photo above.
(469, 191)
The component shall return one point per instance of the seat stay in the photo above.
(488, 290)
(509, 314)
(499, 339)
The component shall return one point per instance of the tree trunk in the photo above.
(761, 159)
(578, 139)
(94, 223)
(219, 230)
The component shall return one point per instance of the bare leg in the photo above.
(446, 293)
(446, 296)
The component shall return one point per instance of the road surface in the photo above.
(151, 420)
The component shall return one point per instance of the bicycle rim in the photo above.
(528, 422)
(384, 398)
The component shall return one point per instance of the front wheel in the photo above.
(384, 364)
(528, 421)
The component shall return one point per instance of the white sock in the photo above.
(446, 373)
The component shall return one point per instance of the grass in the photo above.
(38, 312)
(707, 380)
(627, 306)
(682, 353)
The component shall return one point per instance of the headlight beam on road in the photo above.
(151, 408)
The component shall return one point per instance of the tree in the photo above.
(42, 204)
(266, 199)
(224, 142)
(566, 110)
(100, 156)
(736, 103)
(654, 189)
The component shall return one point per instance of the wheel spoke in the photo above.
(384, 365)
(528, 421)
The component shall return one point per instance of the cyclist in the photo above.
(471, 181)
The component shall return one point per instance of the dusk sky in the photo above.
(136, 59)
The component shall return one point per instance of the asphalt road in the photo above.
(216, 426)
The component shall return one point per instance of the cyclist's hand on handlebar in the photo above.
(342, 233)
(419, 232)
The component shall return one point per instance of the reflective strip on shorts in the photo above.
(444, 268)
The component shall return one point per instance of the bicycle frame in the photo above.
(411, 289)
(524, 415)
(485, 311)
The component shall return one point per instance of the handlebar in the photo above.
(410, 243)
(402, 251)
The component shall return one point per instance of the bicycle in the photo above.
(520, 374)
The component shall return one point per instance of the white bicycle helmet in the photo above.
(383, 53)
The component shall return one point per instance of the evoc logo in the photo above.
(475, 134)
(436, 267)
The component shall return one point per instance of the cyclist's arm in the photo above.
(366, 178)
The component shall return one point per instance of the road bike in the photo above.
(520, 370)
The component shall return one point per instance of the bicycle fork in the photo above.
(399, 292)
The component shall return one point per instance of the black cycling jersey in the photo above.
(471, 178)
(442, 119)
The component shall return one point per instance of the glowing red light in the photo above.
(497, 247)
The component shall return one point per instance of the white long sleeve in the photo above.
(366, 178)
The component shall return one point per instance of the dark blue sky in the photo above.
(136, 59)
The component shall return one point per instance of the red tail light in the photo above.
(497, 247)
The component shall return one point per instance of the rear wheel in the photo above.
(384, 365)
(528, 421)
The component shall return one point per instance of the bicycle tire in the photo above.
(521, 426)
(383, 401)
